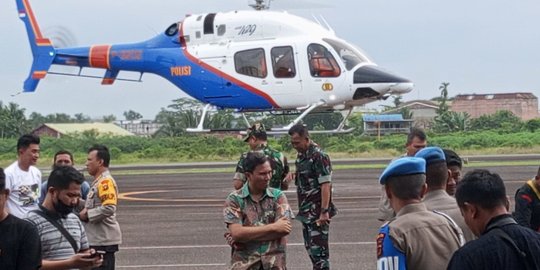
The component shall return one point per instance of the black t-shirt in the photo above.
(20, 247)
(492, 252)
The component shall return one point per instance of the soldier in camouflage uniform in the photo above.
(258, 219)
(313, 182)
(257, 140)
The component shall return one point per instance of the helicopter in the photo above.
(248, 60)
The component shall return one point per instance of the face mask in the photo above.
(61, 208)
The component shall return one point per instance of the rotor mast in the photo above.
(260, 4)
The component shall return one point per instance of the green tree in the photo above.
(13, 122)
(397, 101)
(132, 115)
(447, 121)
(183, 113)
(81, 118)
(109, 118)
(501, 120)
(533, 124)
(406, 113)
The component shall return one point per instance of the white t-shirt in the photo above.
(24, 189)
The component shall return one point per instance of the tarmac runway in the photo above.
(174, 221)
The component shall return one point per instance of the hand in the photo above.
(324, 219)
(289, 177)
(232, 243)
(237, 184)
(83, 215)
(86, 260)
(283, 225)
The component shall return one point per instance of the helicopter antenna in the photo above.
(327, 24)
(261, 4)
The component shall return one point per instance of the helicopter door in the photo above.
(325, 74)
(284, 81)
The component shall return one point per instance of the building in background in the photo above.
(422, 112)
(59, 130)
(145, 128)
(523, 105)
(382, 124)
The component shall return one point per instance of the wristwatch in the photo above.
(325, 210)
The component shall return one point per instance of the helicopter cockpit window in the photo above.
(221, 29)
(172, 30)
(283, 62)
(321, 62)
(350, 56)
(251, 63)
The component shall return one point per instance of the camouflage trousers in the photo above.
(316, 244)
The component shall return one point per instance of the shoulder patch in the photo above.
(380, 240)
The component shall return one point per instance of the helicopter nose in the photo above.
(381, 80)
(372, 74)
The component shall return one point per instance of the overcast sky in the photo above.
(478, 46)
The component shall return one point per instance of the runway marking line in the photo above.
(226, 246)
(128, 196)
(172, 265)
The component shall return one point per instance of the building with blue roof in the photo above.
(382, 124)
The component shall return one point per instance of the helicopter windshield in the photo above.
(350, 56)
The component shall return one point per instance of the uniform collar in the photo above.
(311, 148)
(244, 192)
(499, 221)
(436, 194)
(260, 146)
(411, 208)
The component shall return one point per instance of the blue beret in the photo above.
(403, 166)
(431, 155)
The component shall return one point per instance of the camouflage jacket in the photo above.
(241, 209)
(278, 161)
(313, 168)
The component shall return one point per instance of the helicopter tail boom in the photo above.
(42, 49)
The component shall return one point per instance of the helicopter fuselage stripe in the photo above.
(225, 76)
(99, 56)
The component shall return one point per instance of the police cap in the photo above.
(432, 155)
(403, 166)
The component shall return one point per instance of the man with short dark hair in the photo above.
(258, 218)
(257, 139)
(20, 248)
(502, 244)
(527, 209)
(416, 239)
(23, 179)
(455, 165)
(64, 158)
(313, 179)
(99, 214)
(63, 239)
(436, 197)
(416, 140)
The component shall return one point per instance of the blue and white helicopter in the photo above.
(248, 60)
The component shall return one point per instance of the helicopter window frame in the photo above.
(251, 63)
(221, 29)
(172, 29)
(323, 65)
(208, 24)
(349, 55)
(283, 64)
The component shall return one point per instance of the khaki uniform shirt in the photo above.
(427, 239)
(440, 201)
(102, 228)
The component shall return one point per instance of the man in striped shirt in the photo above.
(59, 252)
